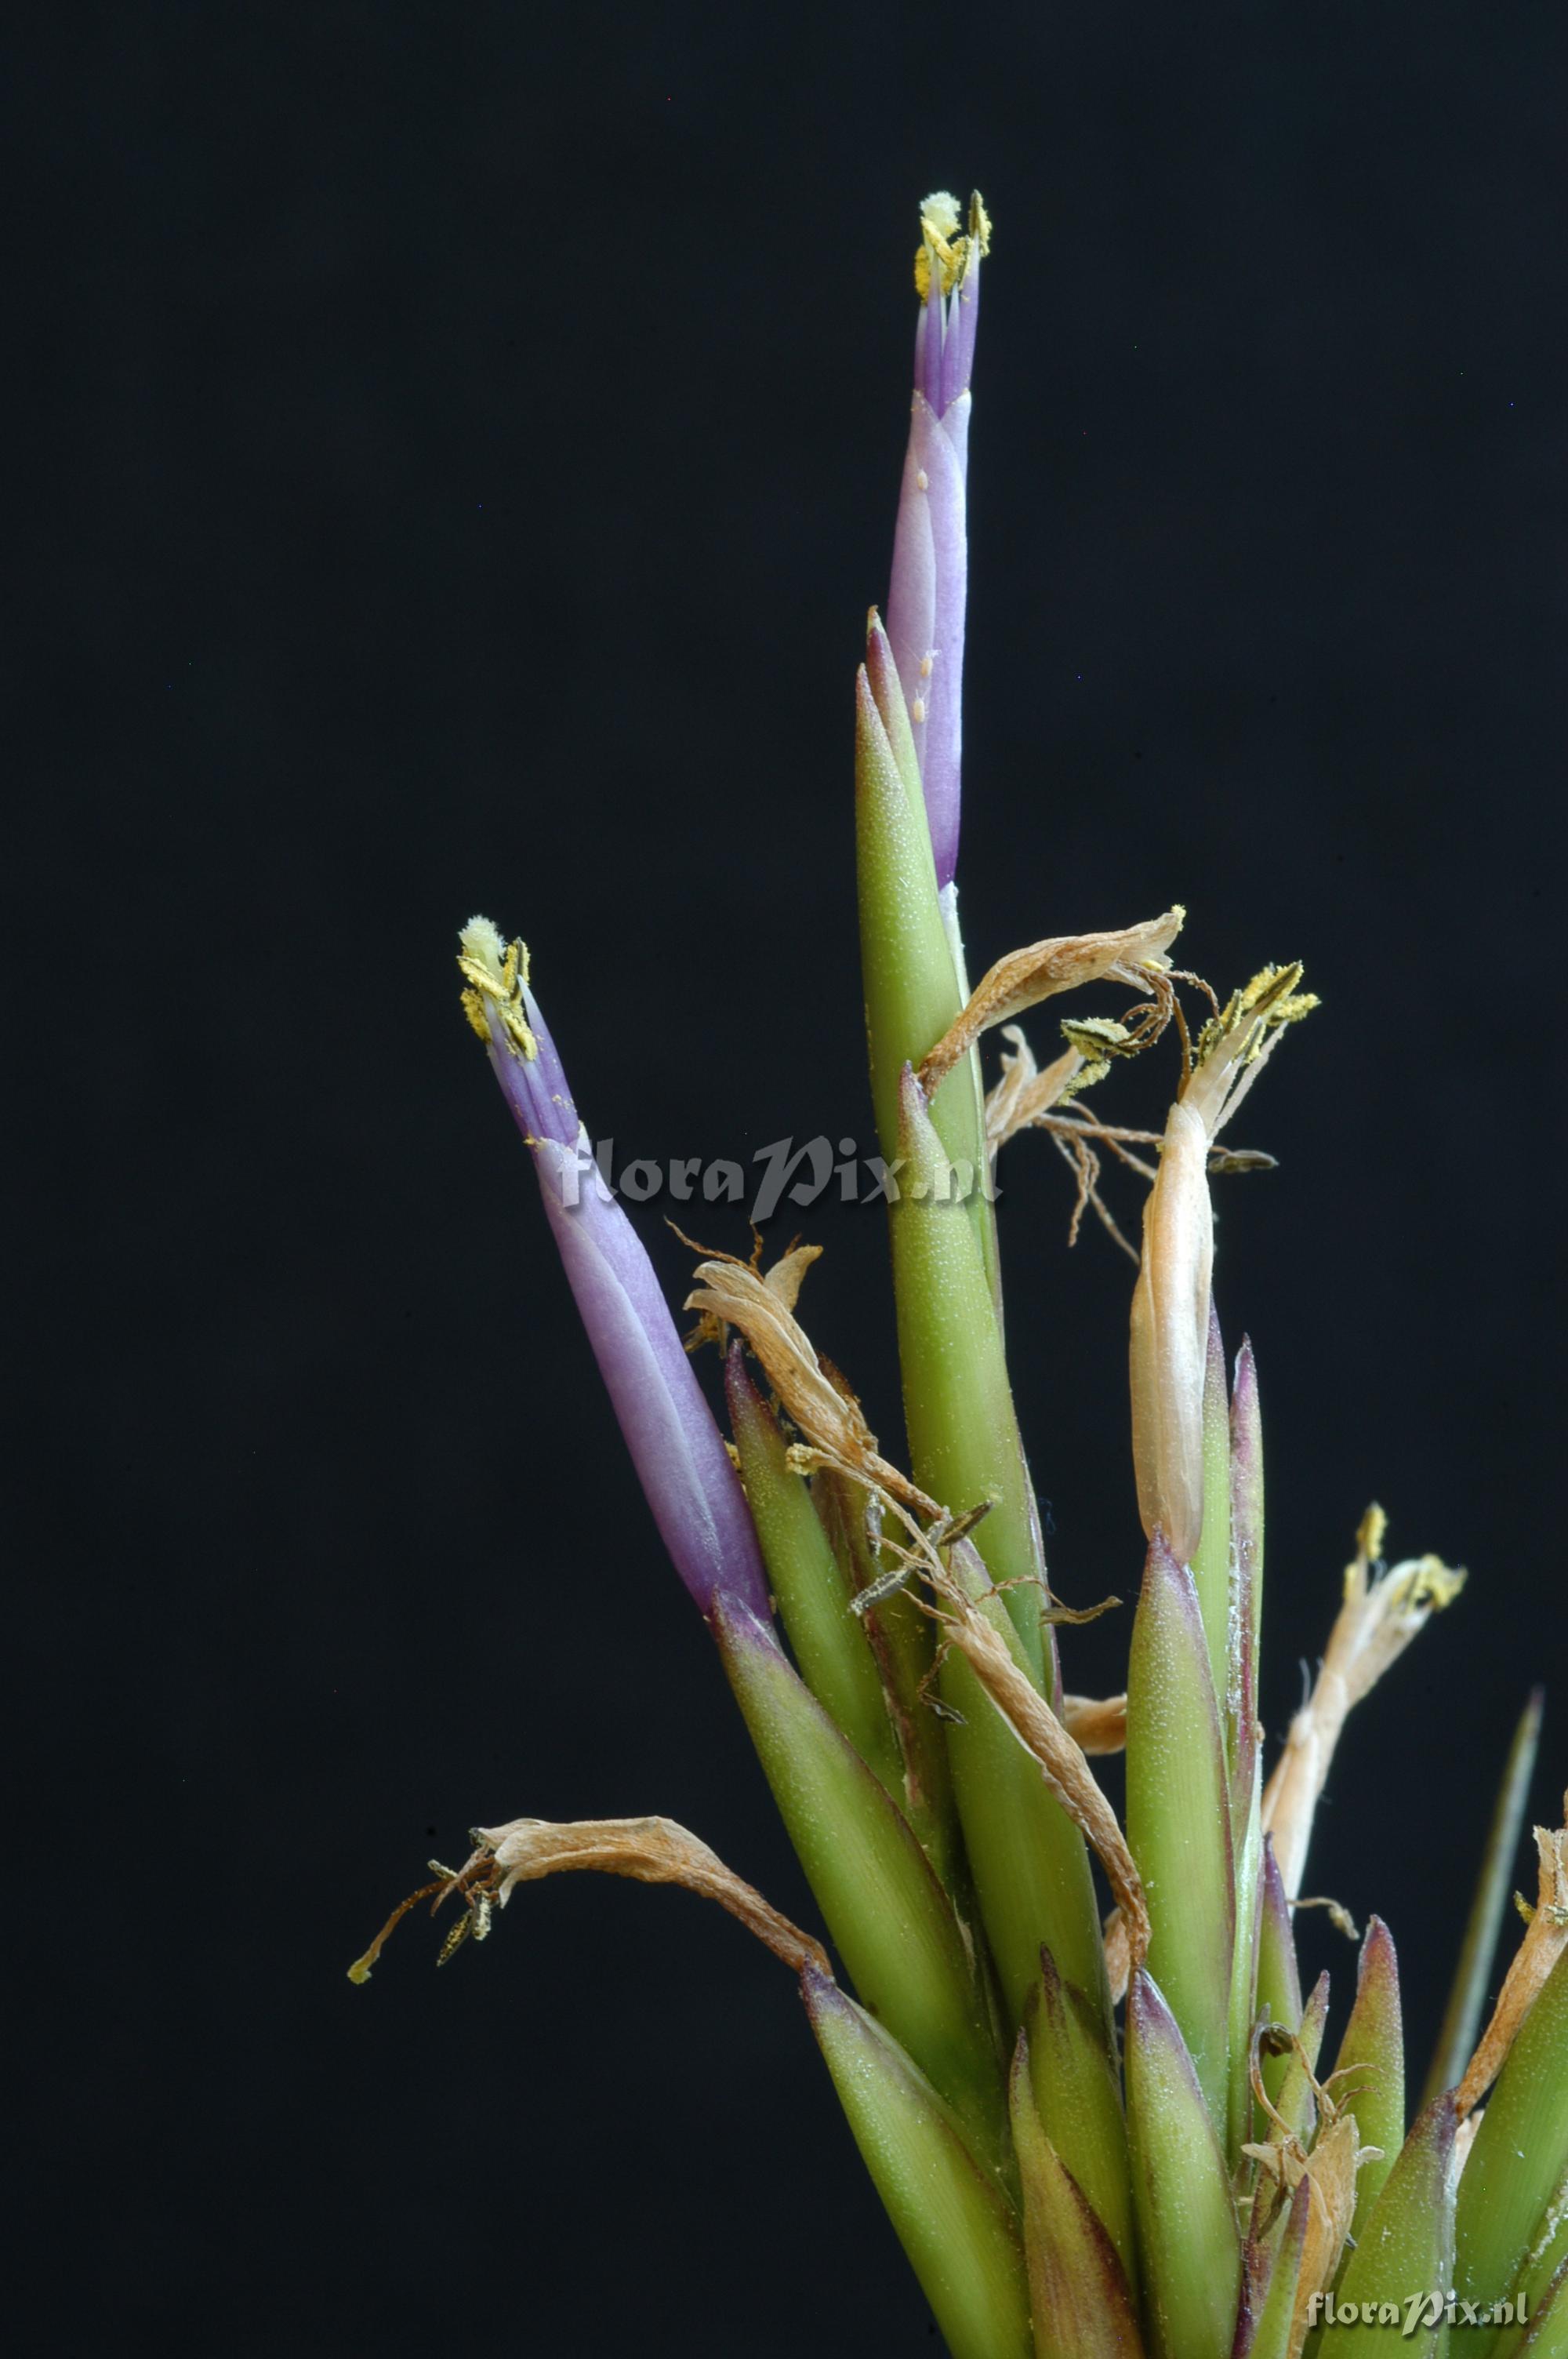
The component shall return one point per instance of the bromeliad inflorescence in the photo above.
(1093, 2137)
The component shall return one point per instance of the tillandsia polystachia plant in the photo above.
(1197, 2178)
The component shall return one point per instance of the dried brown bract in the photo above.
(651, 1851)
(1545, 1939)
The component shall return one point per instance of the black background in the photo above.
(466, 445)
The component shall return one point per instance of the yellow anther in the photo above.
(496, 974)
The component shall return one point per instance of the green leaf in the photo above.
(1188, 2240)
(1077, 2095)
(1211, 1557)
(1539, 2295)
(1279, 1978)
(1244, 1972)
(1032, 1881)
(1371, 2066)
(1273, 2274)
(893, 1924)
(813, 1596)
(1247, 1571)
(902, 1641)
(1472, 1976)
(1079, 2296)
(954, 2222)
(1520, 2154)
(1407, 2245)
(1240, 1716)
(1178, 1817)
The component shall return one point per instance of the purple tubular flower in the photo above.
(675, 1447)
(930, 559)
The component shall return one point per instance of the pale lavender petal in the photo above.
(552, 1072)
(928, 355)
(956, 425)
(920, 342)
(940, 770)
(681, 1462)
(963, 318)
(534, 1087)
(951, 384)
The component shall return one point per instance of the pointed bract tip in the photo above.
(819, 1991)
(1378, 1952)
(741, 1394)
(1145, 2002)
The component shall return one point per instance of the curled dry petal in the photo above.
(1464, 2138)
(1024, 1093)
(829, 1419)
(784, 1276)
(1095, 1727)
(1545, 1939)
(1381, 1615)
(1118, 1956)
(1330, 2172)
(1039, 971)
(653, 1850)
